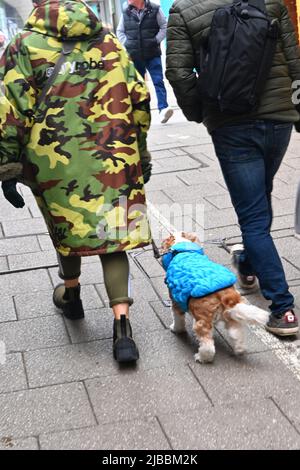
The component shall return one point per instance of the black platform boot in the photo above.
(124, 347)
(68, 300)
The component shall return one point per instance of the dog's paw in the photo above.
(204, 358)
(177, 329)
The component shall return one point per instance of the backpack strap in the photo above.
(67, 48)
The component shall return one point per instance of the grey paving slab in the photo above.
(140, 290)
(296, 292)
(284, 206)
(231, 232)
(3, 263)
(283, 222)
(179, 163)
(90, 360)
(223, 218)
(10, 443)
(288, 403)
(30, 226)
(13, 284)
(289, 232)
(33, 208)
(34, 305)
(289, 248)
(70, 363)
(13, 246)
(7, 309)
(32, 260)
(206, 148)
(157, 155)
(194, 193)
(45, 242)
(8, 212)
(49, 409)
(146, 393)
(255, 425)
(12, 374)
(290, 271)
(178, 151)
(217, 254)
(283, 190)
(194, 177)
(134, 435)
(220, 202)
(40, 303)
(1, 232)
(152, 267)
(158, 197)
(163, 312)
(90, 274)
(135, 271)
(252, 341)
(159, 182)
(244, 378)
(161, 287)
(25, 335)
(294, 163)
(288, 175)
(98, 324)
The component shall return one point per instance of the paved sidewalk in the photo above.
(60, 387)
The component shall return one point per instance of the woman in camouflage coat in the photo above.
(82, 152)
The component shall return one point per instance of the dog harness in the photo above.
(190, 273)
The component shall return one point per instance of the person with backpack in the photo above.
(141, 29)
(74, 116)
(232, 65)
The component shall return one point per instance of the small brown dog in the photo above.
(225, 305)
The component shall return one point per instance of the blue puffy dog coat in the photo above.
(190, 273)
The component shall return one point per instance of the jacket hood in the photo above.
(65, 20)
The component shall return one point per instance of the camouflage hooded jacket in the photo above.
(80, 154)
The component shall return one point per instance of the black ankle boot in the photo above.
(68, 300)
(124, 347)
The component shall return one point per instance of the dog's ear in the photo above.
(192, 236)
(167, 243)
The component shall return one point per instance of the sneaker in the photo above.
(247, 282)
(124, 347)
(286, 325)
(68, 300)
(166, 114)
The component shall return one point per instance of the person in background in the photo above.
(250, 147)
(141, 29)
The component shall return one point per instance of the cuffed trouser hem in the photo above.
(68, 278)
(121, 300)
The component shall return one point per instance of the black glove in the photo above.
(11, 194)
(146, 165)
(147, 171)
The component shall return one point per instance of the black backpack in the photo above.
(236, 61)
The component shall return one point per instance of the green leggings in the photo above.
(115, 271)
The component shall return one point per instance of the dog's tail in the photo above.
(248, 313)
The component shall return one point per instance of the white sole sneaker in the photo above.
(167, 115)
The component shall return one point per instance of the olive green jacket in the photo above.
(189, 25)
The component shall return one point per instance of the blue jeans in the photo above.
(155, 70)
(250, 155)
